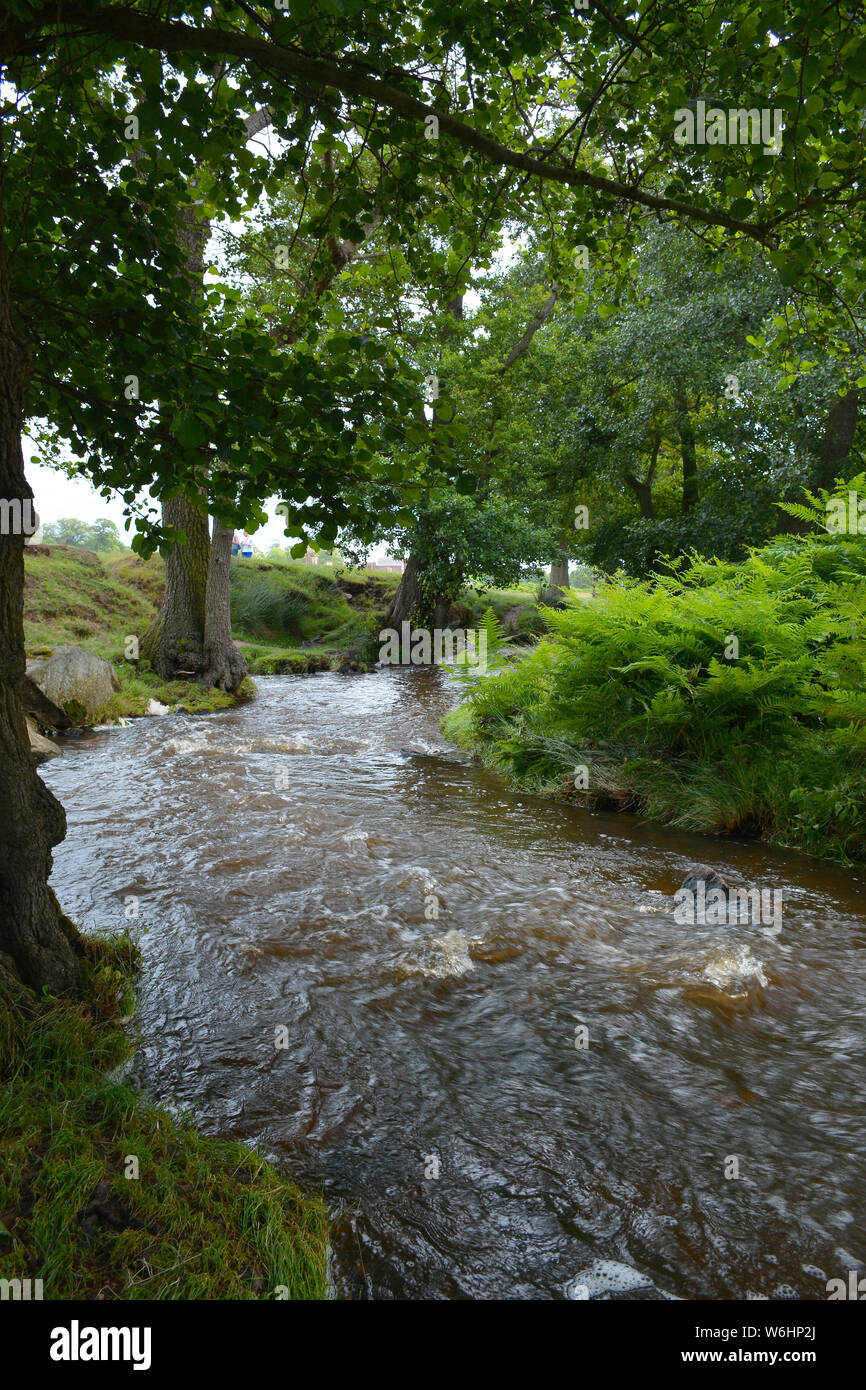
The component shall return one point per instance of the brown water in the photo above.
(414, 1040)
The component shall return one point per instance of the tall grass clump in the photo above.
(197, 1218)
(266, 604)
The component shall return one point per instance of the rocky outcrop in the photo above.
(79, 682)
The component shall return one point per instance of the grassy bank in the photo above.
(720, 697)
(289, 618)
(204, 1219)
(82, 599)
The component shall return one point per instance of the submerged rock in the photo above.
(77, 681)
(705, 875)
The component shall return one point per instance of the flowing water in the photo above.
(428, 946)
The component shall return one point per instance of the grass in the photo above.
(205, 1218)
(282, 606)
(82, 599)
(288, 617)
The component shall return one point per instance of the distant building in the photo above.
(390, 567)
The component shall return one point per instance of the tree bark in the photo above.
(225, 664)
(559, 578)
(33, 931)
(838, 438)
(177, 643)
(836, 445)
(559, 574)
(407, 595)
(174, 643)
(643, 489)
(688, 454)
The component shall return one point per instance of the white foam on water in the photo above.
(442, 957)
(185, 745)
(606, 1277)
(737, 966)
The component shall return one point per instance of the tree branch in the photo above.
(176, 37)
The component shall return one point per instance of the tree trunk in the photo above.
(835, 447)
(407, 595)
(559, 579)
(559, 574)
(838, 438)
(643, 490)
(174, 642)
(225, 664)
(177, 643)
(441, 612)
(644, 494)
(688, 454)
(32, 821)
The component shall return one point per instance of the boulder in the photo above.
(39, 705)
(79, 682)
(702, 874)
(42, 748)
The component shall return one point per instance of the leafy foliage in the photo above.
(717, 696)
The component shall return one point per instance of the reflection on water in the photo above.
(510, 1070)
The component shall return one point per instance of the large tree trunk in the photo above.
(408, 598)
(174, 642)
(177, 643)
(442, 611)
(559, 574)
(225, 662)
(838, 438)
(643, 489)
(559, 579)
(835, 447)
(407, 595)
(32, 821)
(688, 453)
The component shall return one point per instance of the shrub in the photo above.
(715, 696)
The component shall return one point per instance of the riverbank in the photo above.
(287, 617)
(721, 698)
(104, 1194)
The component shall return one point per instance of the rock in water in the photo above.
(42, 748)
(705, 875)
(78, 681)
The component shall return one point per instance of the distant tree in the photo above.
(67, 531)
(96, 535)
(104, 535)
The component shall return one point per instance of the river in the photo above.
(377, 965)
